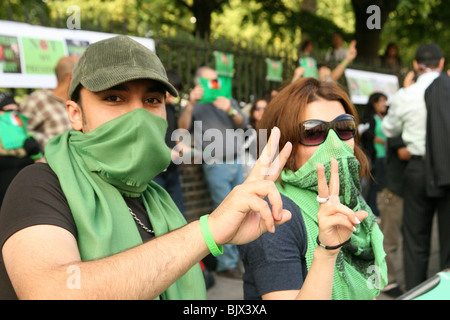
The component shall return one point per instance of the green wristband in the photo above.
(212, 245)
(36, 156)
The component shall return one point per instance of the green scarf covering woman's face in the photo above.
(321, 110)
(365, 251)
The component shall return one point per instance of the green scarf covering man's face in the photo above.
(96, 108)
(121, 133)
(127, 152)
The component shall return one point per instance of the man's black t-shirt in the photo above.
(35, 197)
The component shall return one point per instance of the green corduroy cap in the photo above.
(116, 60)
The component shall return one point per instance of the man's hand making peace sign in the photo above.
(244, 214)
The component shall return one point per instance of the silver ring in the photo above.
(322, 200)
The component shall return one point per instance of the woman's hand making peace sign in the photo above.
(336, 221)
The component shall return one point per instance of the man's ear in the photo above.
(75, 114)
(441, 63)
(416, 65)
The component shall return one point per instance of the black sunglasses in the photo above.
(314, 132)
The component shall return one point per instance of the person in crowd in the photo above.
(222, 168)
(90, 223)
(257, 111)
(407, 116)
(46, 109)
(373, 142)
(390, 207)
(438, 156)
(339, 52)
(251, 139)
(17, 148)
(391, 59)
(320, 122)
(306, 61)
(324, 72)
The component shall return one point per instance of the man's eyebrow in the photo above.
(119, 87)
(150, 89)
(156, 88)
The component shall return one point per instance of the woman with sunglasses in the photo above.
(316, 255)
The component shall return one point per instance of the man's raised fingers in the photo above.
(264, 162)
(279, 162)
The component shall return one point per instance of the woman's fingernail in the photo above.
(357, 220)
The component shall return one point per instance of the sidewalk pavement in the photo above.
(231, 289)
(226, 289)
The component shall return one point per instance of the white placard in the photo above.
(361, 84)
(28, 53)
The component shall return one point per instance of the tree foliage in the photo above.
(282, 23)
(24, 10)
(417, 21)
(284, 20)
(202, 11)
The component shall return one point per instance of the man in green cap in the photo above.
(78, 226)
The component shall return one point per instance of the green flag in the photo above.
(212, 89)
(274, 70)
(224, 63)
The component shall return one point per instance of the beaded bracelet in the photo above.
(331, 248)
(212, 246)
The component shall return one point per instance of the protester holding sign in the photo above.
(221, 167)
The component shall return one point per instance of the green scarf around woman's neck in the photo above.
(96, 169)
(360, 271)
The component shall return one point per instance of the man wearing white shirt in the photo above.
(339, 52)
(407, 117)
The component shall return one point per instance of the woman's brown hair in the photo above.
(285, 109)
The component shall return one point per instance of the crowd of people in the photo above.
(317, 213)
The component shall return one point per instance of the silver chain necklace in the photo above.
(139, 222)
